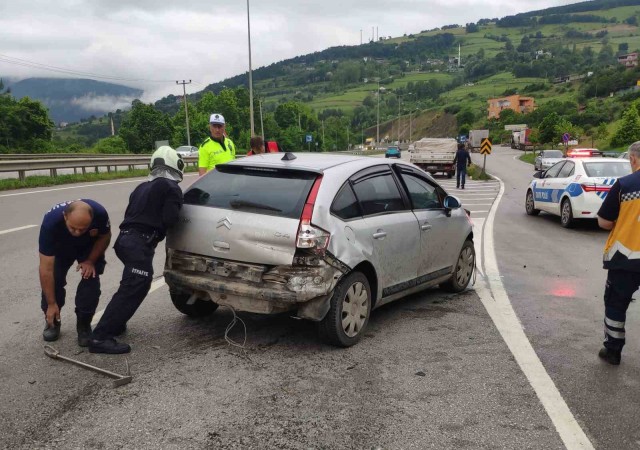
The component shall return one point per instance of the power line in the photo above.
(35, 65)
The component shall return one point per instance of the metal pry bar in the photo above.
(118, 380)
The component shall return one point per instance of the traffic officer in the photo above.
(77, 230)
(153, 207)
(218, 148)
(620, 213)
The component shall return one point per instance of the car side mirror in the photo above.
(538, 174)
(451, 202)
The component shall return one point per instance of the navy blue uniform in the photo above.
(462, 160)
(153, 207)
(55, 240)
(621, 256)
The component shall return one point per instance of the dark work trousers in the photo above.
(88, 292)
(620, 286)
(461, 173)
(136, 252)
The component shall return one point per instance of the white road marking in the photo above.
(495, 299)
(154, 287)
(475, 211)
(80, 186)
(11, 230)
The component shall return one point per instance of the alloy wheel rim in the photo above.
(465, 266)
(355, 307)
(529, 201)
(565, 212)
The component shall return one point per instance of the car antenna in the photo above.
(288, 157)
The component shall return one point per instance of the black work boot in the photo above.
(51, 333)
(611, 356)
(110, 346)
(84, 332)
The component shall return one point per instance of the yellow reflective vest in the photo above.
(211, 153)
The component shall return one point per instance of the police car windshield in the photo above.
(609, 169)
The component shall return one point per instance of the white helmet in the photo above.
(167, 158)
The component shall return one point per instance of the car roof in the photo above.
(315, 162)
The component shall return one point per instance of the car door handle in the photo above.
(380, 235)
(426, 226)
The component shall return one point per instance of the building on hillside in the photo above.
(516, 103)
(629, 60)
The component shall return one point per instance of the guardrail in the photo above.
(29, 156)
(24, 166)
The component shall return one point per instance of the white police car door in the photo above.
(543, 190)
(559, 185)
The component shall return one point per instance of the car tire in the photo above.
(350, 303)
(566, 214)
(200, 308)
(465, 265)
(529, 204)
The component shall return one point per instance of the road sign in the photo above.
(485, 146)
(565, 137)
(308, 138)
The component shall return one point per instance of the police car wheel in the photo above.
(465, 264)
(530, 205)
(199, 308)
(566, 214)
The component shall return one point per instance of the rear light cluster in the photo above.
(309, 236)
(591, 187)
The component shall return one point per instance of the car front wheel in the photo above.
(349, 311)
(199, 308)
(566, 214)
(530, 205)
(465, 264)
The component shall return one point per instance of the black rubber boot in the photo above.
(51, 333)
(110, 346)
(84, 332)
(611, 356)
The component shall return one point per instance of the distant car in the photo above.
(624, 155)
(327, 237)
(547, 158)
(392, 152)
(186, 150)
(574, 188)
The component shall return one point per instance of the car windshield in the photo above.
(608, 169)
(265, 191)
(552, 154)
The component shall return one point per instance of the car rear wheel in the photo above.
(530, 205)
(349, 311)
(464, 269)
(566, 214)
(450, 174)
(199, 308)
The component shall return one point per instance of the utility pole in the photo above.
(261, 122)
(410, 127)
(399, 100)
(299, 124)
(323, 135)
(347, 137)
(186, 107)
(250, 75)
(378, 117)
(360, 36)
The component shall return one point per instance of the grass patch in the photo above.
(475, 172)
(43, 181)
(528, 158)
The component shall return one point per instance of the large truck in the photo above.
(435, 155)
(475, 139)
(519, 136)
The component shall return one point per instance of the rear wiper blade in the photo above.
(241, 203)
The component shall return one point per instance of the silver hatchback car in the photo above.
(329, 237)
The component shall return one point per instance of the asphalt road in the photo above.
(433, 371)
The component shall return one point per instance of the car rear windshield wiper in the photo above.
(244, 203)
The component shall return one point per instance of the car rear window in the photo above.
(267, 191)
(552, 154)
(609, 169)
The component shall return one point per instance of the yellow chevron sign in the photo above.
(485, 146)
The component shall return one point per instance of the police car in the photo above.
(574, 188)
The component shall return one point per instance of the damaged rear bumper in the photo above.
(255, 288)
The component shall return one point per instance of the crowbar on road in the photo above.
(118, 380)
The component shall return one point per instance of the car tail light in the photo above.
(309, 236)
(592, 187)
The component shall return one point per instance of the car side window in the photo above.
(422, 194)
(345, 205)
(554, 170)
(567, 170)
(378, 194)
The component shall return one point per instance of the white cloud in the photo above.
(150, 44)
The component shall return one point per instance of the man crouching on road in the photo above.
(153, 207)
(72, 231)
(620, 213)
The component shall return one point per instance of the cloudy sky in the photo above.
(150, 44)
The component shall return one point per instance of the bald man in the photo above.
(72, 231)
